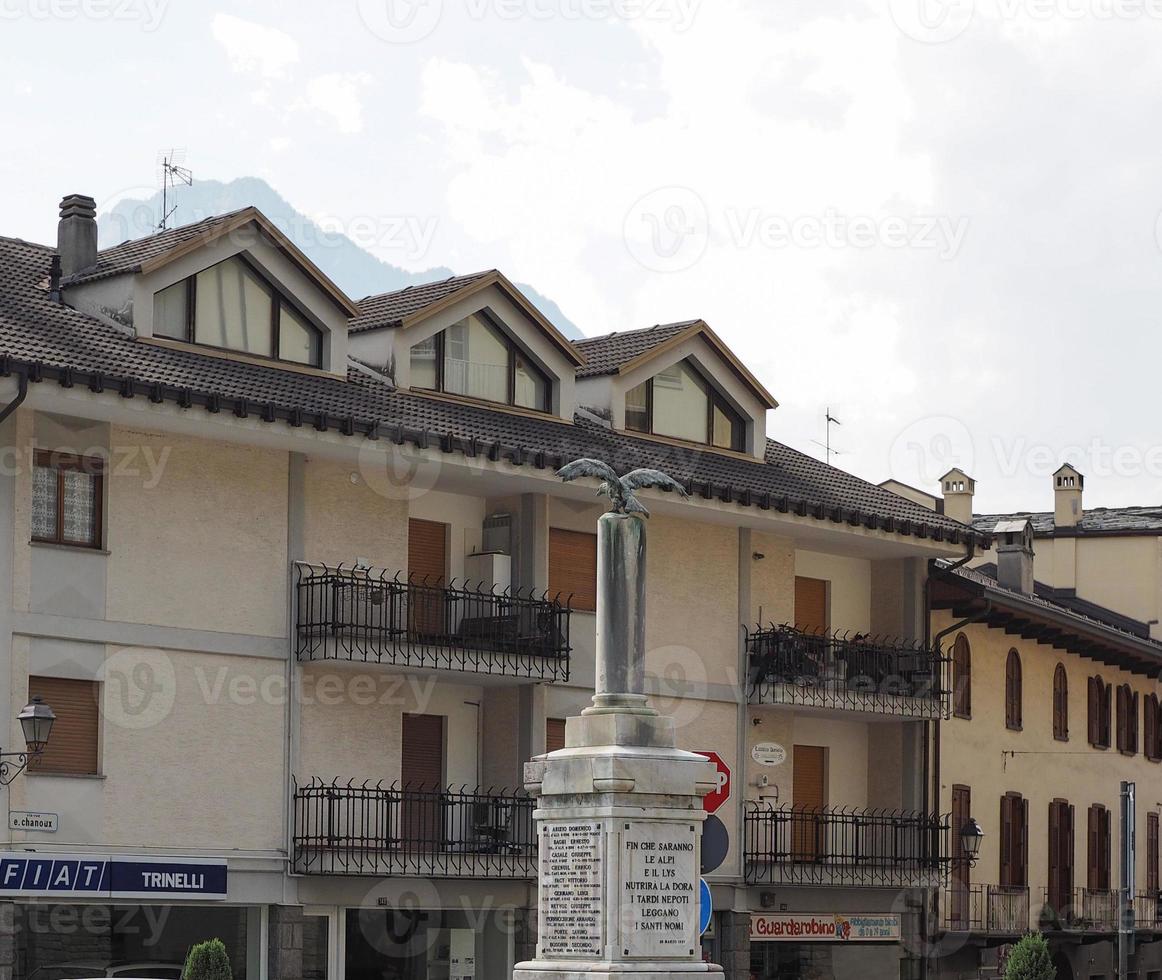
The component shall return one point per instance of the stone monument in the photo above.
(619, 814)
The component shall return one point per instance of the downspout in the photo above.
(21, 394)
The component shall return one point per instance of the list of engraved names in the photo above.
(571, 893)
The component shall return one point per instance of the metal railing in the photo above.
(1147, 911)
(1084, 910)
(848, 846)
(995, 910)
(853, 671)
(370, 829)
(367, 616)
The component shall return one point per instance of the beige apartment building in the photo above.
(1054, 706)
(297, 579)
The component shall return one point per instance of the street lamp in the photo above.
(36, 720)
(970, 837)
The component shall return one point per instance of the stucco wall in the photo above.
(350, 514)
(772, 580)
(202, 542)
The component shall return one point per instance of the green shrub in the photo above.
(1030, 960)
(207, 961)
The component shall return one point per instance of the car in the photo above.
(97, 970)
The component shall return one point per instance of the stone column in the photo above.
(619, 812)
(735, 945)
(7, 940)
(285, 947)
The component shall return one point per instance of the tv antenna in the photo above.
(171, 176)
(826, 446)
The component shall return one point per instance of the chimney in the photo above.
(1014, 544)
(1067, 486)
(958, 488)
(76, 234)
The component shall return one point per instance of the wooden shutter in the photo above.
(1060, 704)
(811, 604)
(1057, 900)
(1093, 830)
(962, 677)
(1022, 869)
(1149, 721)
(422, 765)
(554, 734)
(1006, 841)
(1152, 854)
(427, 551)
(1013, 690)
(1093, 711)
(1070, 851)
(1133, 722)
(809, 792)
(961, 871)
(73, 744)
(1106, 849)
(573, 567)
(1107, 694)
(1122, 726)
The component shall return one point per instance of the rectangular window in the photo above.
(573, 567)
(476, 361)
(66, 499)
(1014, 841)
(72, 746)
(425, 364)
(637, 408)
(171, 312)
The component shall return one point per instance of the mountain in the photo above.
(355, 270)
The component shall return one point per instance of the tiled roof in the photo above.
(55, 343)
(604, 355)
(1099, 520)
(389, 309)
(1068, 599)
(129, 255)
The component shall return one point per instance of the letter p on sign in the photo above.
(721, 793)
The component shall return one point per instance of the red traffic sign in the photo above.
(721, 792)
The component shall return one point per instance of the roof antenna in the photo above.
(826, 446)
(171, 176)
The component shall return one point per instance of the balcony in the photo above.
(370, 830)
(364, 616)
(852, 672)
(1147, 911)
(1087, 910)
(874, 848)
(991, 910)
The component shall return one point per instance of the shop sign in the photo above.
(823, 927)
(46, 823)
(768, 754)
(111, 877)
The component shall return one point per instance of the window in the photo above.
(961, 677)
(573, 567)
(1098, 849)
(475, 358)
(1127, 720)
(554, 734)
(1152, 853)
(231, 306)
(1151, 730)
(1099, 713)
(1060, 704)
(66, 499)
(1060, 856)
(72, 747)
(679, 402)
(1013, 691)
(1014, 841)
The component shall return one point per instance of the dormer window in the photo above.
(475, 358)
(679, 402)
(231, 307)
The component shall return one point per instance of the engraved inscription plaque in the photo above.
(659, 885)
(572, 915)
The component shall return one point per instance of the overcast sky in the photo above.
(938, 217)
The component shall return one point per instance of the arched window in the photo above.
(1060, 704)
(1127, 729)
(1099, 713)
(961, 677)
(1013, 691)
(1151, 730)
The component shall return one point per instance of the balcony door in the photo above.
(811, 604)
(961, 872)
(422, 777)
(809, 794)
(427, 569)
(1060, 856)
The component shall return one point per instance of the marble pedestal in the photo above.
(619, 824)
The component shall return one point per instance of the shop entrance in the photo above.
(824, 961)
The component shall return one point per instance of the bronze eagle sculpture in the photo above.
(620, 489)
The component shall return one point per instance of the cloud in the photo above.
(255, 48)
(339, 96)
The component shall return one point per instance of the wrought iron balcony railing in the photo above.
(366, 616)
(792, 845)
(370, 829)
(994, 910)
(1147, 911)
(855, 672)
(1083, 910)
